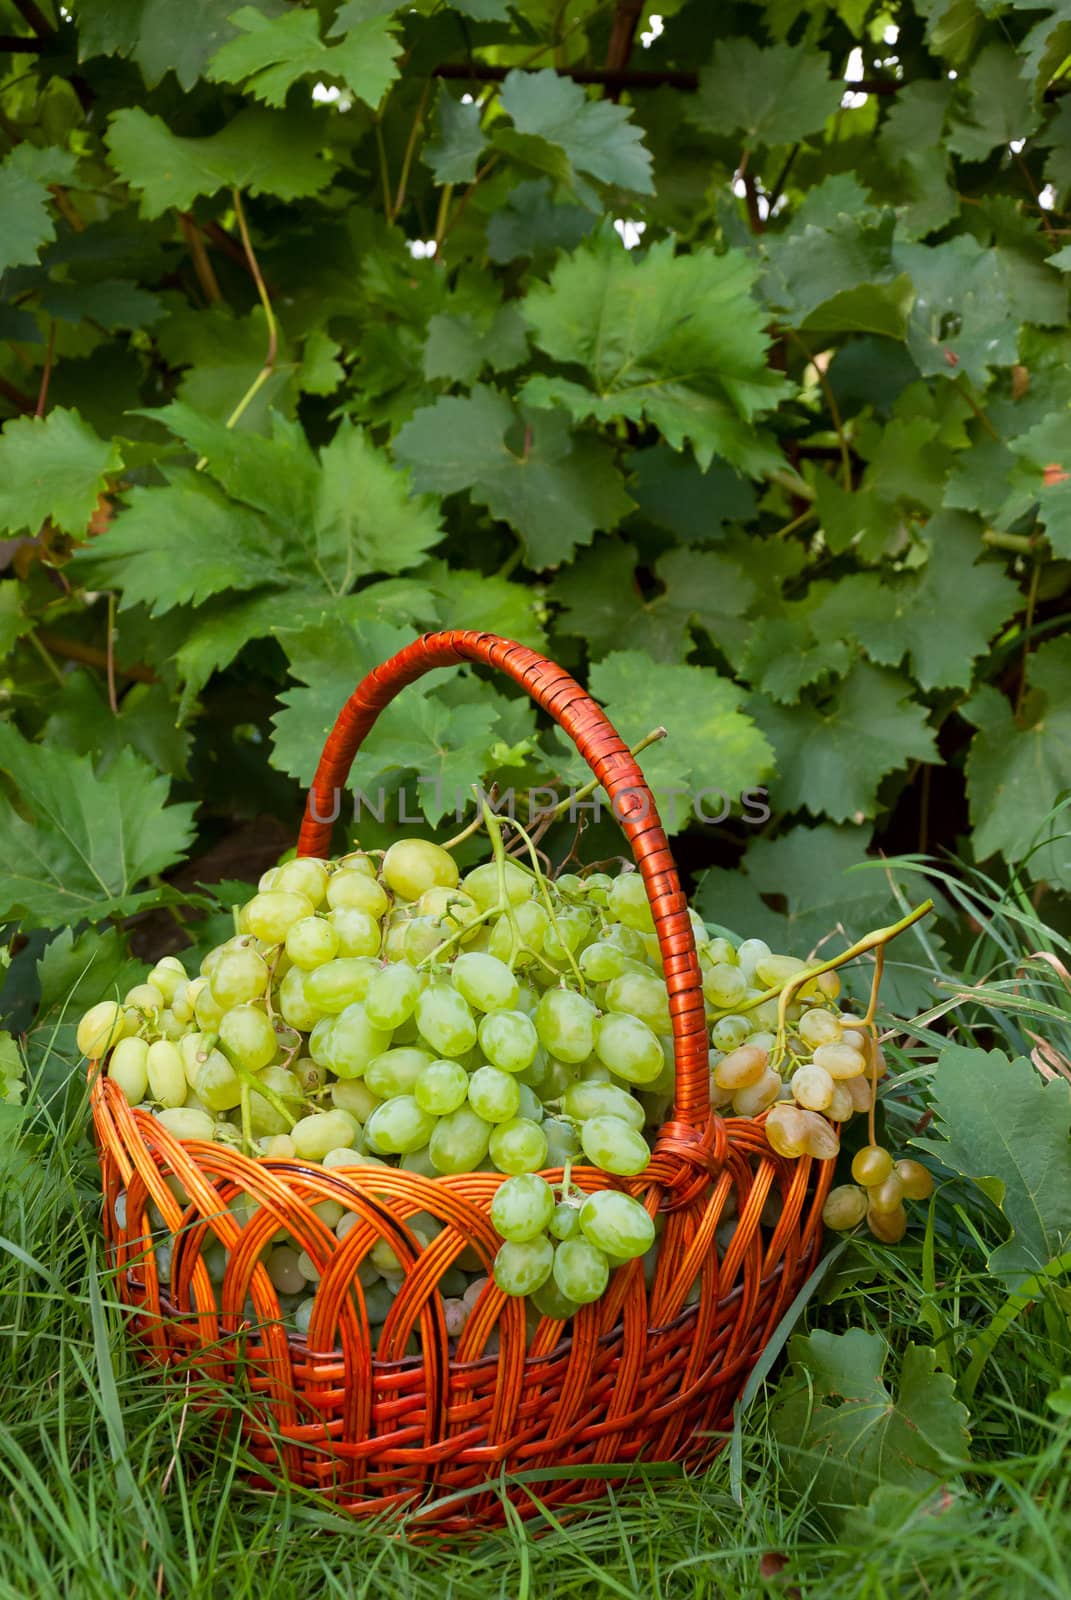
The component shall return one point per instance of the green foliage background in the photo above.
(309, 345)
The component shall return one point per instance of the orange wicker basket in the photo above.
(646, 1373)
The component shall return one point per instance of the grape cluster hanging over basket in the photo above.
(649, 1370)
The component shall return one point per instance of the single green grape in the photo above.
(629, 904)
(459, 1141)
(640, 995)
(508, 1039)
(398, 1126)
(247, 1037)
(397, 1071)
(588, 1098)
(522, 1207)
(441, 1088)
(518, 1145)
(629, 1048)
(617, 1224)
(337, 984)
(493, 1094)
(484, 981)
(356, 891)
(445, 1021)
(581, 1270)
(523, 1268)
(268, 916)
(565, 1222)
(351, 1044)
(565, 1023)
(315, 1135)
(412, 865)
(609, 1143)
(305, 875)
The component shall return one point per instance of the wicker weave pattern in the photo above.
(646, 1372)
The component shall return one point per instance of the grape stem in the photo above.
(548, 906)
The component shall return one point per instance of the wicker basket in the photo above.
(644, 1373)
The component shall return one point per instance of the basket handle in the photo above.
(687, 1142)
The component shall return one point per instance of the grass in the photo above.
(110, 1487)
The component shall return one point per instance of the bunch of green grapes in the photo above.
(384, 1010)
(881, 1186)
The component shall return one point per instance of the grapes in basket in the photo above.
(382, 1009)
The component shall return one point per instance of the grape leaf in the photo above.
(677, 494)
(531, 221)
(922, 616)
(271, 53)
(1000, 1124)
(603, 601)
(74, 974)
(553, 486)
(179, 544)
(913, 148)
(459, 138)
(222, 355)
(844, 1433)
(1019, 763)
(676, 340)
(111, 302)
(459, 347)
(150, 32)
(713, 751)
(819, 273)
(25, 175)
(832, 754)
(52, 467)
(1043, 472)
(1000, 105)
(366, 520)
(82, 720)
(465, 598)
(784, 655)
(262, 152)
(80, 842)
(13, 620)
(597, 137)
(773, 95)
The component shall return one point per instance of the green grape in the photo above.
(305, 875)
(812, 1087)
(817, 1027)
(391, 995)
(609, 1143)
(518, 1145)
(840, 1060)
(845, 1207)
(353, 1043)
(322, 1132)
(268, 916)
(207, 1010)
(527, 999)
(565, 1222)
(294, 1005)
(531, 922)
(915, 1179)
(531, 1106)
(522, 1207)
(640, 995)
(629, 904)
(557, 1078)
(628, 940)
(398, 1126)
(166, 1074)
(889, 1226)
(445, 1020)
(483, 885)
(284, 1271)
(484, 981)
(740, 1068)
(591, 1099)
(871, 1165)
(786, 1130)
(581, 1270)
(459, 1141)
(337, 984)
(419, 1161)
(550, 1302)
(749, 1102)
(239, 976)
(354, 1095)
(602, 961)
(730, 1031)
(146, 998)
(886, 1196)
(597, 887)
(628, 1048)
(566, 933)
(563, 1141)
(565, 1023)
(396, 1071)
(214, 1080)
(356, 891)
(450, 910)
(441, 1088)
(184, 1122)
(719, 951)
(723, 985)
(508, 1039)
(264, 1117)
(494, 1095)
(570, 883)
(128, 1067)
(167, 975)
(310, 942)
(248, 1038)
(749, 953)
(358, 932)
(772, 971)
(420, 938)
(523, 1268)
(617, 1224)
(412, 865)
